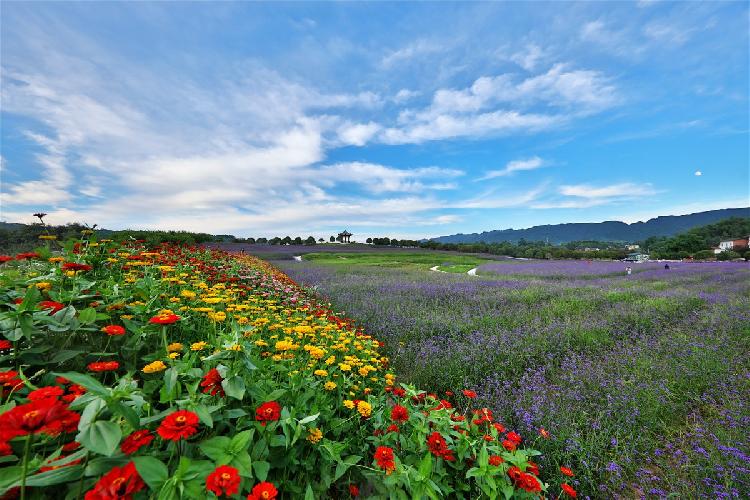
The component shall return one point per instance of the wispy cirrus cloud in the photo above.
(532, 163)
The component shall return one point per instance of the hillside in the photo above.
(667, 225)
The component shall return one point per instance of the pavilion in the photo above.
(344, 236)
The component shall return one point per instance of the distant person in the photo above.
(666, 266)
(629, 270)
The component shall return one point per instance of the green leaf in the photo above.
(101, 437)
(126, 412)
(170, 379)
(309, 495)
(275, 394)
(87, 316)
(240, 442)
(309, 419)
(234, 387)
(90, 383)
(54, 476)
(261, 469)
(216, 448)
(204, 415)
(65, 355)
(168, 492)
(344, 465)
(242, 462)
(152, 470)
(425, 466)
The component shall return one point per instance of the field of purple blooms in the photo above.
(643, 381)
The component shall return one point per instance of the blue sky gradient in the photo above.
(405, 120)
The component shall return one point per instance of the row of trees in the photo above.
(698, 242)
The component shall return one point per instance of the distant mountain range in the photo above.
(667, 225)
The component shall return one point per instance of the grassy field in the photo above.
(454, 263)
(642, 380)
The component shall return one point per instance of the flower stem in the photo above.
(24, 469)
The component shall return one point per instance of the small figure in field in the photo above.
(666, 266)
(628, 270)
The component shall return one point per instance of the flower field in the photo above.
(642, 381)
(176, 372)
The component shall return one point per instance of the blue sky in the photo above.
(406, 120)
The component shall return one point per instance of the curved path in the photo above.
(470, 272)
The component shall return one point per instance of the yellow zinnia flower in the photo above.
(364, 408)
(198, 346)
(329, 386)
(314, 435)
(174, 347)
(156, 366)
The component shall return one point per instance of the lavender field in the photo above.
(643, 381)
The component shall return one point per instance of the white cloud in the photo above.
(357, 134)
(474, 126)
(404, 95)
(411, 51)
(532, 163)
(475, 111)
(625, 189)
(529, 57)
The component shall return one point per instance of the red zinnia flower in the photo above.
(47, 415)
(178, 425)
(52, 305)
(165, 319)
(211, 383)
(529, 483)
(353, 490)
(136, 440)
(568, 489)
(509, 445)
(224, 480)
(500, 428)
(5, 345)
(384, 458)
(27, 255)
(10, 379)
(5, 258)
(399, 414)
(104, 366)
(469, 393)
(119, 483)
(113, 330)
(544, 433)
(392, 428)
(496, 460)
(263, 491)
(45, 392)
(512, 436)
(514, 473)
(533, 468)
(400, 392)
(567, 471)
(268, 412)
(439, 447)
(75, 266)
